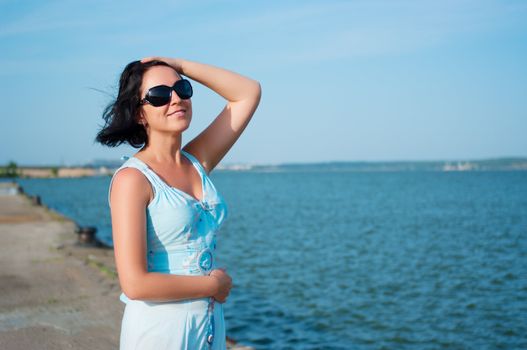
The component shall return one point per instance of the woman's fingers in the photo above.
(173, 62)
(155, 58)
(148, 59)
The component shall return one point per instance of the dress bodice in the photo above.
(181, 230)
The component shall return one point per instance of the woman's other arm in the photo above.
(129, 196)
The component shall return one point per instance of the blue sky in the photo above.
(342, 80)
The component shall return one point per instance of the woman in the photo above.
(165, 210)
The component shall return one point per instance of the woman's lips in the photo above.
(178, 113)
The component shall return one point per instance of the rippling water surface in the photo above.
(348, 260)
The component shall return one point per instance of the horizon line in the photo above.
(222, 164)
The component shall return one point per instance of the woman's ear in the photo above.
(141, 119)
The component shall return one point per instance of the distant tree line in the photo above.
(11, 170)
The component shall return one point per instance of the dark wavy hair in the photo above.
(121, 116)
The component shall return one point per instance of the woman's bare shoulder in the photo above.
(131, 183)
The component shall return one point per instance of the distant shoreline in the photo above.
(496, 164)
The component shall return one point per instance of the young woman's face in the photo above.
(172, 117)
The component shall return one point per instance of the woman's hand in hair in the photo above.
(174, 62)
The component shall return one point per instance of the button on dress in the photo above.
(181, 239)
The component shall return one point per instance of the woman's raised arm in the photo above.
(242, 95)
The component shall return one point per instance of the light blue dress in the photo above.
(181, 239)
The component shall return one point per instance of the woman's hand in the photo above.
(224, 284)
(174, 62)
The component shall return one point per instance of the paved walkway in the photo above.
(51, 299)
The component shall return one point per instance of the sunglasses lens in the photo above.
(159, 96)
(183, 89)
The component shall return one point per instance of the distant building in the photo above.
(459, 166)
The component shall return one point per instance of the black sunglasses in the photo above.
(160, 95)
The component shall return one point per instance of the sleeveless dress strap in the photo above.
(132, 162)
(196, 163)
(156, 183)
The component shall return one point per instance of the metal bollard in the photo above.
(86, 234)
(36, 200)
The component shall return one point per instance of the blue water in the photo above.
(359, 260)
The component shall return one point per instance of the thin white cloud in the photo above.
(278, 33)
(386, 28)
